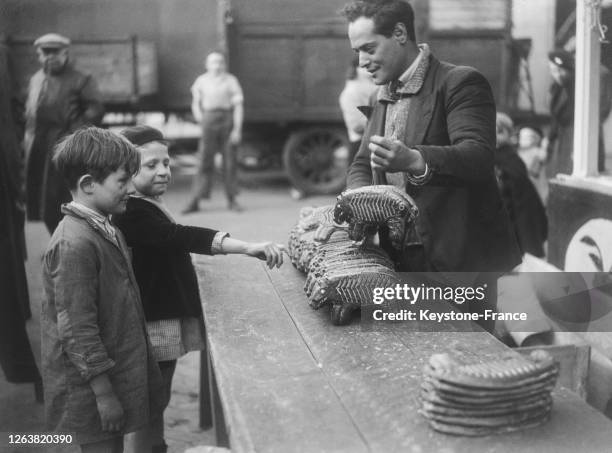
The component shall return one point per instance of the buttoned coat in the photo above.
(462, 222)
(92, 322)
(57, 105)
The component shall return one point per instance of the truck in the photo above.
(290, 57)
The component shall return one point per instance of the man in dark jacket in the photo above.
(560, 138)
(431, 131)
(60, 100)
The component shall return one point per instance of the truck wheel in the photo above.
(316, 160)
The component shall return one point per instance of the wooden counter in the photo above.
(288, 380)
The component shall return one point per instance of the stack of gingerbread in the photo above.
(491, 397)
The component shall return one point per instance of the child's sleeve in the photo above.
(71, 273)
(141, 228)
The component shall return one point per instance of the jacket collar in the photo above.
(411, 81)
(95, 223)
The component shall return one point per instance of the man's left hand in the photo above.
(235, 137)
(393, 156)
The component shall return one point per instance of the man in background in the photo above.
(560, 140)
(218, 106)
(60, 100)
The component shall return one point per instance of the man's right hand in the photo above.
(111, 412)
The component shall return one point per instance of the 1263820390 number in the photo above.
(38, 438)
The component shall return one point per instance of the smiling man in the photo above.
(431, 132)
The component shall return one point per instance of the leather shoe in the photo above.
(193, 207)
(234, 206)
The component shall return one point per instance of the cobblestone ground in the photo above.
(269, 214)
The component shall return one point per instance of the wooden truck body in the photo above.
(290, 56)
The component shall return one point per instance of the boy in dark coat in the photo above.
(162, 263)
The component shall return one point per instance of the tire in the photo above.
(316, 160)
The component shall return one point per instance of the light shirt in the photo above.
(356, 93)
(98, 219)
(217, 92)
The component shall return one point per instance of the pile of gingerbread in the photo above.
(331, 245)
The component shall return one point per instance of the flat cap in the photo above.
(141, 135)
(562, 58)
(52, 40)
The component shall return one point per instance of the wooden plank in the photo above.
(377, 376)
(469, 14)
(274, 396)
(221, 436)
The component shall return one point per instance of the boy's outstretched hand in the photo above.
(269, 252)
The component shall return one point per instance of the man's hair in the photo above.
(94, 151)
(218, 52)
(385, 14)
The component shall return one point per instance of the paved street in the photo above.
(269, 214)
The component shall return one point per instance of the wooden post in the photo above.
(206, 418)
(586, 110)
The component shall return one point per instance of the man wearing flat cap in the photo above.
(60, 100)
(561, 136)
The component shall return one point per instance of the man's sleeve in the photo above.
(236, 89)
(470, 119)
(196, 100)
(91, 103)
(73, 274)
(141, 228)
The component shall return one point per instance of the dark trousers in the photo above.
(216, 128)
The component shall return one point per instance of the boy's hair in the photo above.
(94, 151)
(385, 14)
(142, 134)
